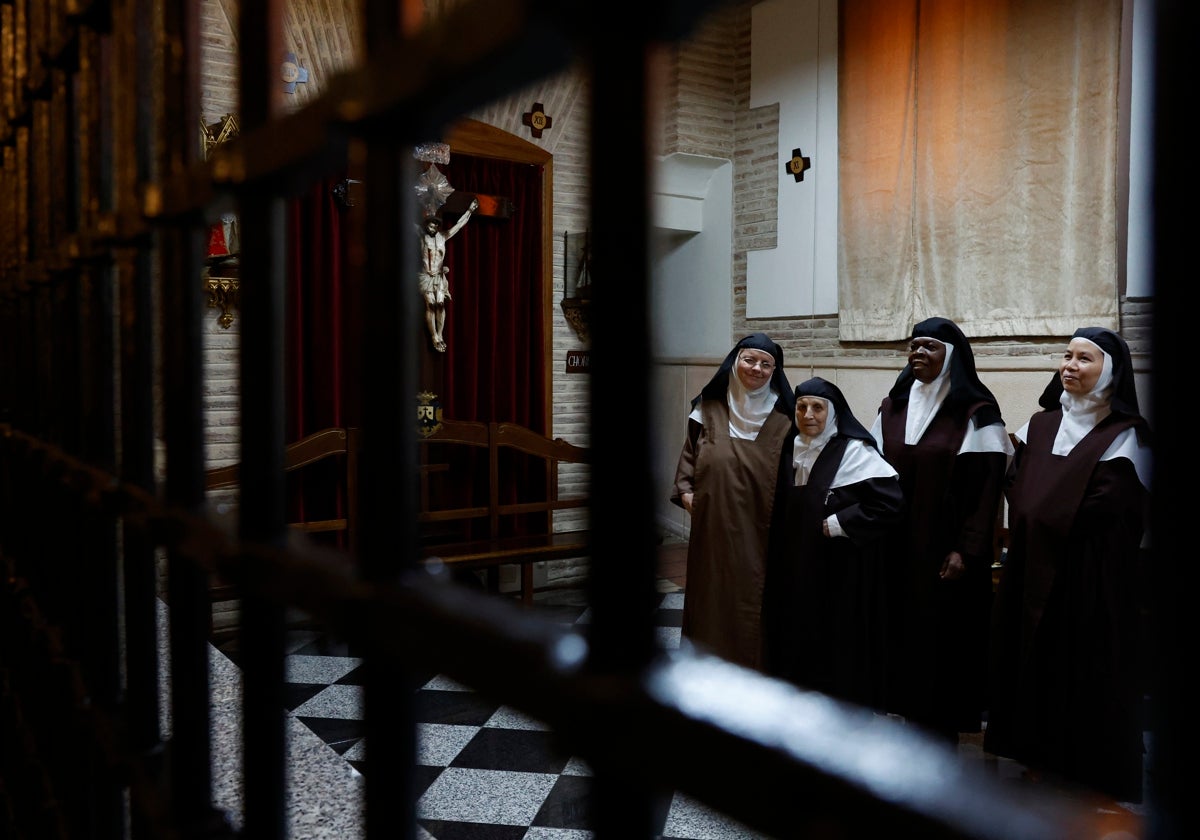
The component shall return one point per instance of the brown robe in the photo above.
(1066, 680)
(737, 484)
(938, 629)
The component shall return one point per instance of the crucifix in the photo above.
(433, 279)
(438, 198)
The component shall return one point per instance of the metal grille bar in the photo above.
(103, 203)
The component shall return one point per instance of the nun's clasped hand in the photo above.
(952, 567)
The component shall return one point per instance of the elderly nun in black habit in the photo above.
(733, 472)
(1066, 677)
(941, 428)
(825, 588)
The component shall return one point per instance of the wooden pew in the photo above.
(489, 493)
(338, 444)
(488, 497)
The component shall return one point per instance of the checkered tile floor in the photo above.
(486, 771)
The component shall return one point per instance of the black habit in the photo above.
(826, 614)
(939, 628)
(1066, 684)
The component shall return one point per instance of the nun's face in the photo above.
(811, 415)
(1081, 367)
(754, 367)
(926, 355)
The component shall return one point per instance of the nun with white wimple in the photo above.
(825, 589)
(734, 469)
(1066, 676)
(942, 430)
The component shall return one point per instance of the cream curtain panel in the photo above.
(978, 152)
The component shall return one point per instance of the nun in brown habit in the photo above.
(734, 472)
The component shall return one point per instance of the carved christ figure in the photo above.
(435, 287)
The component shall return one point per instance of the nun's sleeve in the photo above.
(685, 470)
(877, 431)
(866, 491)
(977, 486)
(878, 508)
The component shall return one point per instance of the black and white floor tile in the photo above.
(485, 771)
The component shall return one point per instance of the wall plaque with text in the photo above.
(579, 361)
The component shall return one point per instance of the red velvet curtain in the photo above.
(319, 314)
(493, 365)
(319, 362)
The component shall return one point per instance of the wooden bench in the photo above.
(317, 447)
(337, 449)
(488, 497)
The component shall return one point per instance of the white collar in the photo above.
(806, 450)
(1081, 413)
(925, 398)
(748, 410)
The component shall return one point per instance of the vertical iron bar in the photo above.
(10, 328)
(59, 423)
(183, 430)
(10, 376)
(261, 515)
(99, 577)
(136, 23)
(1172, 578)
(389, 543)
(88, 283)
(261, 503)
(83, 565)
(93, 280)
(621, 575)
(36, 363)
